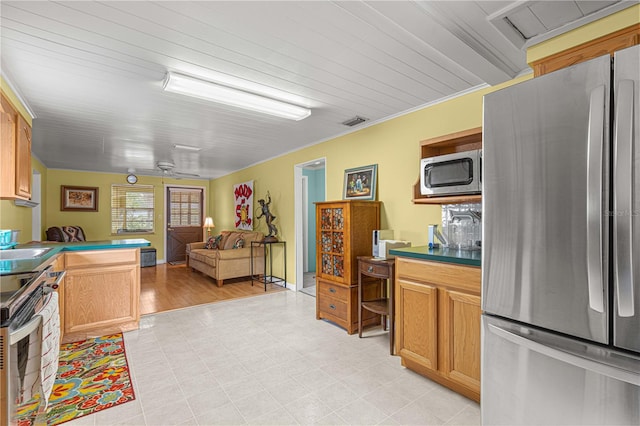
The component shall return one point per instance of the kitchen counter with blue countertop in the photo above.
(460, 257)
(27, 265)
(438, 316)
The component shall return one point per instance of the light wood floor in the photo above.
(168, 287)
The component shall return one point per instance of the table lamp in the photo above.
(208, 223)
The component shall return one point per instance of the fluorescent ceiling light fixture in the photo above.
(191, 86)
(187, 147)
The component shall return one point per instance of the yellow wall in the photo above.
(14, 217)
(11, 216)
(392, 145)
(97, 225)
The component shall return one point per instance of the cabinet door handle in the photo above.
(332, 290)
(370, 269)
(332, 306)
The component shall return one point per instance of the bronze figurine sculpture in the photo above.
(269, 217)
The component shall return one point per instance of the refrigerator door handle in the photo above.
(622, 207)
(595, 277)
(566, 357)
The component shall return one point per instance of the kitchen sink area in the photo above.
(23, 253)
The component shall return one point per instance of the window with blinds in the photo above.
(132, 209)
(185, 207)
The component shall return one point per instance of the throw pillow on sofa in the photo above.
(238, 244)
(231, 239)
(213, 242)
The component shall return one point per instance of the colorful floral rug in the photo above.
(93, 375)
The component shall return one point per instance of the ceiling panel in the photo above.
(93, 72)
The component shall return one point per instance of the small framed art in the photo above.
(78, 198)
(360, 183)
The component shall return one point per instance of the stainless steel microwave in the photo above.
(451, 174)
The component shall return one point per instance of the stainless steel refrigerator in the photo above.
(561, 247)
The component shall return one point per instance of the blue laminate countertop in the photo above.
(28, 265)
(461, 257)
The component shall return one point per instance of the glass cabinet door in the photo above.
(332, 242)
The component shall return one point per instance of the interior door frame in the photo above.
(305, 223)
(165, 207)
(36, 212)
(300, 221)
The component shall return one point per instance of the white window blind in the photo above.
(132, 209)
(186, 207)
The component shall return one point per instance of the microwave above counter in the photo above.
(451, 174)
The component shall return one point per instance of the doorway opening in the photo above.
(310, 187)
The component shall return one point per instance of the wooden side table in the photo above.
(383, 269)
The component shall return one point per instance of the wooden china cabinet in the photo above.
(344, 231)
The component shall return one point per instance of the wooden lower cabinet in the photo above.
(339, 304)
(416, 320)
(460, 322)
(101, 293)
(438, 322)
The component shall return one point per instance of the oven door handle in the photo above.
(56, 277)
(25, 330)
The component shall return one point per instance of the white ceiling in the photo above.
(92, 72)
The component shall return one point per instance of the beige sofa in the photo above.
(227, 262)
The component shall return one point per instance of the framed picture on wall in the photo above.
(78, 198)
(360, 183)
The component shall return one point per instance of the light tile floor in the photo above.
(267, 361)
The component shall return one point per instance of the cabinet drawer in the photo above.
(332, 306)
(334, 291)
(373, 269)
(465, 278)
(83, 259)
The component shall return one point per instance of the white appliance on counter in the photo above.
(561, 243)
(379, 235)
(385, 245)
(383, 242)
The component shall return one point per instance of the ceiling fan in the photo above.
(167, 168)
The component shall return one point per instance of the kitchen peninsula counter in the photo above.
(28, 265)
(100, 293)
(459, 257)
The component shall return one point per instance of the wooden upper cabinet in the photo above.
(15, 144)
(23, 159)
(7, 154)
(607, 44)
